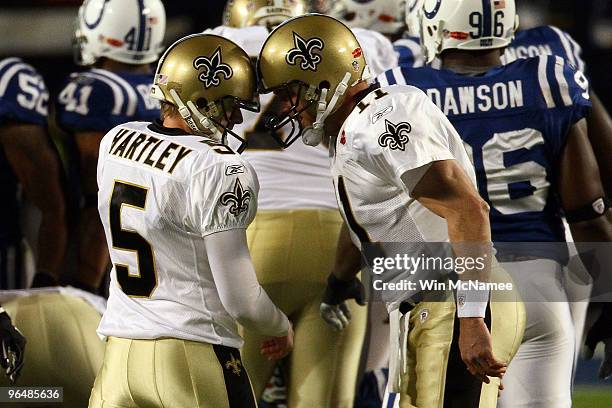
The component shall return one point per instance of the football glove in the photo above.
(601, 332)
(334, 309)
(12, 347)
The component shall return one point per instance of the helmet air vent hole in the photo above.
(430, 31)
(324, 85)
(201, 103)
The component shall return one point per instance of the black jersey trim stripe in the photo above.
(361, 233)
(237, 384)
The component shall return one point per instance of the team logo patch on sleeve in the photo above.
(238, 200)
(305, 51)
(395, 136)
(213, 69)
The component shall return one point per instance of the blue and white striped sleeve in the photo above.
(573, 51)
(23, 94)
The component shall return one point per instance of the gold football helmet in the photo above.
(310, 60)
(269, 13)
(207, 77)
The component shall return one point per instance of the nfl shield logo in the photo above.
(423, 315)
(461, 300)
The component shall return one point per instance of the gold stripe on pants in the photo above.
(170, 373)
(432, 347)
(293, 252)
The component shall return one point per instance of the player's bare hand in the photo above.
(276, 348)
(476, 350)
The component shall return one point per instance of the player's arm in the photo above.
(342, 283)
(12, 347)
(581, 189)
(221, 208)
(87, 108)
(242, 295)
(600, 136)
(447, 191)
(93, 252)
(348, 257)
(36, 166)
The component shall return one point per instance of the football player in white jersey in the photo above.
(117, 40)
(63, 348)
(295, 224)
(175, 202)
(401, 174)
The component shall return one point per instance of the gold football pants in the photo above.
(293, 253)
(171, 373)
(62, 349)
(436, 376)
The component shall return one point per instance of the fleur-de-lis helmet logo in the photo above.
(305, 51)
(395, 136)
(238, 199)
(213, 69)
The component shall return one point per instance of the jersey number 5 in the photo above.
(144, 282)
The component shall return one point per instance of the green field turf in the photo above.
(592, 397)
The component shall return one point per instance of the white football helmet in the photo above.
(466, 25)
(384, 16)
(414, 9)
(128, 31)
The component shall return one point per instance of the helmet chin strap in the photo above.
(313, 135)
(187, 113)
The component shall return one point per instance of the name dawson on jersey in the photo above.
(134, 145)
(482, 98)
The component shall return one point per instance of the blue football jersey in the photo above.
(514, 120)
(544, 40)
(409, 52)
(98, 100)
(23, 94)
(23, 99)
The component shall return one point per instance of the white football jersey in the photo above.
(282, 172)
(384, 148)
(160, 193)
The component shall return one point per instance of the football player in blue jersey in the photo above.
(531, 42)
(27, 161)
(119, 40)
(524, 125)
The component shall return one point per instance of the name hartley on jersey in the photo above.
(482, 98)
(131, 141)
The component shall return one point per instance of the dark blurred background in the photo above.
(40, 31)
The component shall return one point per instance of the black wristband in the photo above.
(589, 212)
(338, 284)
